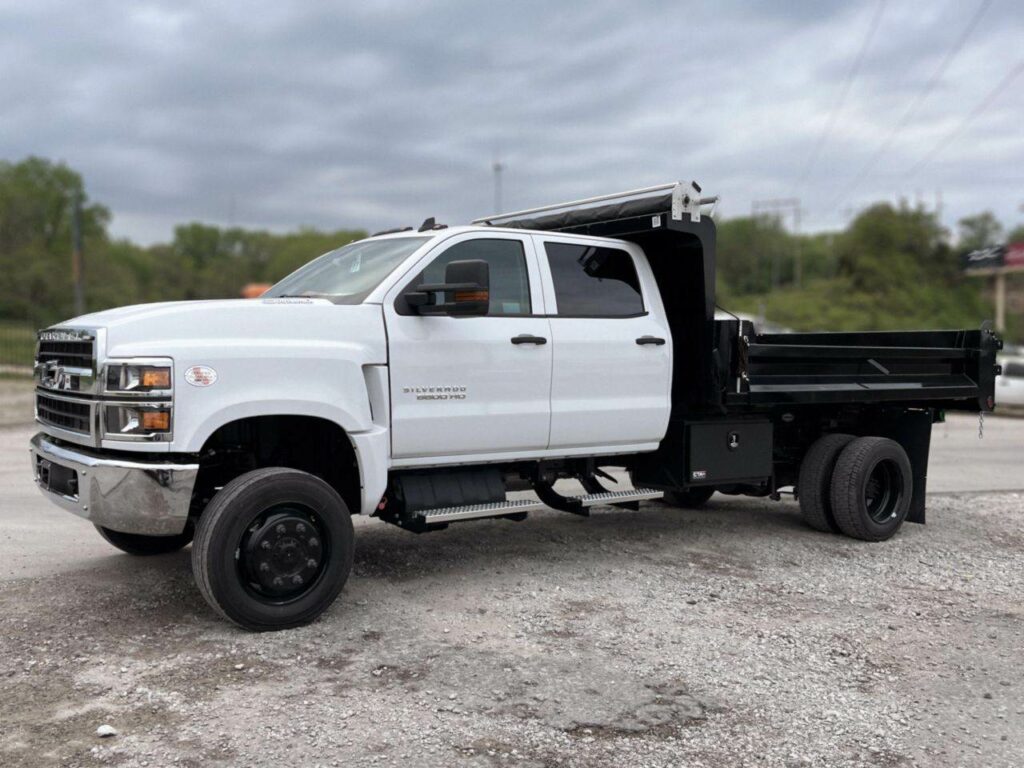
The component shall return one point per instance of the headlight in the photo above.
(133, 420)
(138, 378)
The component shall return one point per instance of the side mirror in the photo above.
(465, 291)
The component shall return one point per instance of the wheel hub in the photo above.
(883, 492)
(282, 553)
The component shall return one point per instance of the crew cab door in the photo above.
(471, 385)
(612, 367)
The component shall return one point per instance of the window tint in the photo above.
(1013, 370)
(599, 282)
(510, 284)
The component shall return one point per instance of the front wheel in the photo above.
(273, 549)
(140, 545)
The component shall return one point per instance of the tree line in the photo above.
(893, 266)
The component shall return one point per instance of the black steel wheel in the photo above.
(872, 487)
(142, 546)
(283, 553)
(273, 549)
(814, 484)
(691, 498)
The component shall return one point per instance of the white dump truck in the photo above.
(422, 376)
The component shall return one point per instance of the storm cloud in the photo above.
(379, 114)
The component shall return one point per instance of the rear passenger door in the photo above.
(612, 364)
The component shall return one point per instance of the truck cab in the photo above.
(423, 376)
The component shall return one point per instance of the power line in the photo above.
(914, 105)
(984, 104)
(844, 91)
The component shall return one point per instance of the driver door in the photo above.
(475, 385)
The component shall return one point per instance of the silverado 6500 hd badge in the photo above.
(436, 393)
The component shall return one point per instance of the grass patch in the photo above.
(17, 343)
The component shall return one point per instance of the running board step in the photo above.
(503, 508)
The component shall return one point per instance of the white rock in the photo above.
(106, 731)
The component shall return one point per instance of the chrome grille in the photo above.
(69, 354)
(64, 413)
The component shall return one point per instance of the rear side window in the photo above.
(1013, 370)
(594, 281)
(506, 263)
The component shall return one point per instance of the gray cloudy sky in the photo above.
(378, 114)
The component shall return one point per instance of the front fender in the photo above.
(331, 389)
(344, 418)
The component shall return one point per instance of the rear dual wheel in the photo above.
(859, 486)
(871, 488)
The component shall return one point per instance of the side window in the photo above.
(510, 282)
(1013, 370)
(593, 281)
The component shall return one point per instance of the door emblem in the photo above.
(456, 392)
(734, 441)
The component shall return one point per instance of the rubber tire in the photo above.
(850, 478)
(220, 529)
(691, 498)
(143, 546)
(814, 483)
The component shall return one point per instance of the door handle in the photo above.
(525, 338)
(650, 340)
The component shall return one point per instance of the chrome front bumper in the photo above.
(144, 495)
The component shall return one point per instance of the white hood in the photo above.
(171, 328)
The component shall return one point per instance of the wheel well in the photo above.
(306, 443)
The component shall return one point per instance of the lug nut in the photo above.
(280, 528)
(265, 544)
(264, 567)
(313, 542)
(311, 563)
(277, 581)
(300, 528)
(296, 579)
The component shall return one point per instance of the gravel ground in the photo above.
(733, 636)
(16, 399)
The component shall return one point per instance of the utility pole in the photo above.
(778, 207)
(77, 265)
(1000, 291)
(497, 168)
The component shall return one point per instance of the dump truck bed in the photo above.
(953, 369)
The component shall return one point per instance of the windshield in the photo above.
(349, 274)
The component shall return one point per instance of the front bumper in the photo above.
(145, 496)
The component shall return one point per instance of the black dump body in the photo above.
(724, 367)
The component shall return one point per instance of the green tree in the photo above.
(36, 199)
(979, 231)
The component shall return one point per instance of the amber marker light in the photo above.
(156, 421)
(156, 378)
